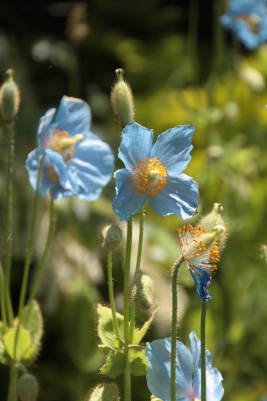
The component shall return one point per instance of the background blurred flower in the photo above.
(76, 161)
(158, 354)
(155, 172)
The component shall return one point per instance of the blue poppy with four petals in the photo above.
(155, 172)
(77, 162)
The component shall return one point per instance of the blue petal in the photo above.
(58, 164)
(127, 201)
(202, 280)
(173, 148)
(180, 196)
(43, 130)
(195, 349)
(73, 116)
(158, 355)
(91, 166)
(215, 388)
(136, 144)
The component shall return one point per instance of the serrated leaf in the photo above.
(138, 362)
(105, 326)
(32, 321)
(24, 348)
(115, 364)
(139, 333)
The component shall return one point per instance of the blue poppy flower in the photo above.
(155, 172)
(77, 162)
(188, 371)
(248, 19)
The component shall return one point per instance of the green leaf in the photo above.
(139, 333)
(3, 355)
(115, 364)
(138, 361)
(105, 327)
(25, 351)
(32, 320)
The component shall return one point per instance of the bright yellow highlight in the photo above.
(62, 142)
(149, 177)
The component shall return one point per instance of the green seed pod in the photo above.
(213, 219)
(105, 392)
(27, 387)
(122, 100)
(142, 290)
(9, 98)
(111, 236)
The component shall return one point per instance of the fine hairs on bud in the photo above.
(111, 237)
(105, 392)
(27, 387)
(213, 219)
(9, 98)
(122, 101)
(142, 291)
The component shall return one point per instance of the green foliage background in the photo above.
(183, 69)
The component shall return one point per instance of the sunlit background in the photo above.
(183, 68)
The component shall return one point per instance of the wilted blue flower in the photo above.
(188, 371)
(77, 162)
(248, 19)
(155, 172)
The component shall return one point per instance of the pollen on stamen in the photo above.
(56, 144)
(149, 176)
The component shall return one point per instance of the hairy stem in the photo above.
(202, 350)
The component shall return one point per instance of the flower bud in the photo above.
(213, 219)
(142, 290)
(122, 100)
(27, 387)
(111, 236)
(105, 392)
(9, 98)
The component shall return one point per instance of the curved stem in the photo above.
(30, 241)
(138, 263)
(202, 350)
(9, 165)
(111, 296)
(127, 279)
(174, 326)
(40, 268)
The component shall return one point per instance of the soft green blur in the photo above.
(179, 75)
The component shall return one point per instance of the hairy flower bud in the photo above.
(213, 219)
(142, 290)
(9, 98)
(27, 387)
(122, 100)
(105, 392)
(111, 236)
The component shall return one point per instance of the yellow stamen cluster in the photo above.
(62, 142)
(252, 21)
(149, 176)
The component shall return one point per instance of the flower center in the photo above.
(252, 21)
(63, 143)
(149, 176)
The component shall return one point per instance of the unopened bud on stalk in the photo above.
(142, 290)
(122, 100)
(111, 237)
(27, 387)
(105, 392)
(213, 219)
(9, 98)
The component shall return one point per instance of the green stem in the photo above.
(12, 389)
(2, 299)
(30, 241)
(127, 279)
(174, 326)
(9, 166)
(111, 296)
(40, 268)
(202, 351)
(193, 35)
(127, 377)
(138, 264)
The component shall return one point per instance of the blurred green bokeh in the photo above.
(183, 69)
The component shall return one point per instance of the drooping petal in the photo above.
(43, 130)
(136, 144)
(202, 280)
(127, 201)
(173, 148)
(158, 355)
(195, 349)
(180, 196)
(73, 116)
